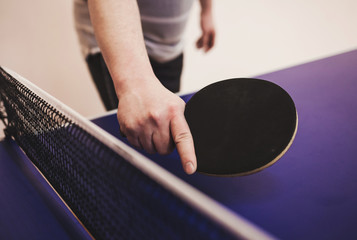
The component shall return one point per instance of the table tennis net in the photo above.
(110, 196)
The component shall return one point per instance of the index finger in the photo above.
(211, 40)
(183, 140)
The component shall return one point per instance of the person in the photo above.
(134, 51)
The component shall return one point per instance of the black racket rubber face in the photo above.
(240, 126)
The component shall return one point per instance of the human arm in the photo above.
(207, 38)
(149, 115)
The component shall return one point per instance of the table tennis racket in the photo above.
(240, 126)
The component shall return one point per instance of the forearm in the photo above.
(206, 6)
(118, 31)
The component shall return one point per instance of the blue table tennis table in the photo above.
(310, 193)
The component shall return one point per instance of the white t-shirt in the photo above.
(163, 23)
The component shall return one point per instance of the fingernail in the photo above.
(189, 168)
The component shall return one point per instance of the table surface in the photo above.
(310, 193)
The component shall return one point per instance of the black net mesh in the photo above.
(112, 198)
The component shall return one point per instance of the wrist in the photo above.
(206, 12)
(134, 82)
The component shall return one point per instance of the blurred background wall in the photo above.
(38, 40)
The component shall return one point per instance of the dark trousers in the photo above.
(169, 74)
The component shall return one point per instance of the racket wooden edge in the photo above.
(266, 165)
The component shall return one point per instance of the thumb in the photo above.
(182, 137)
(199, 43)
